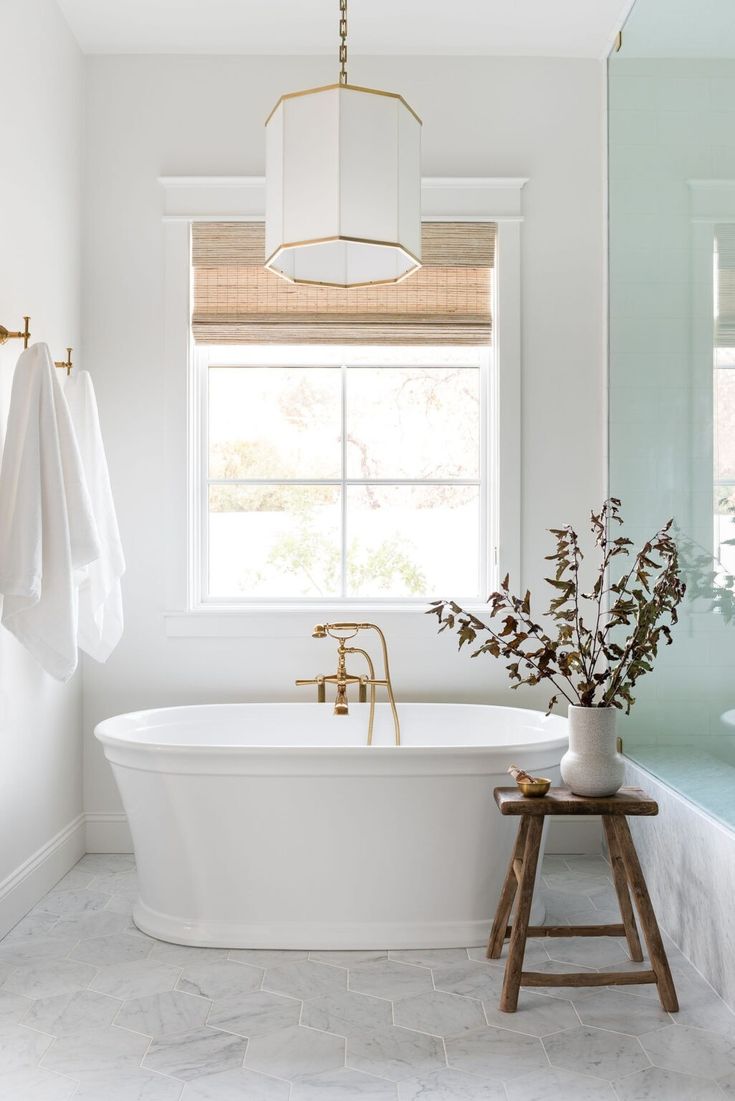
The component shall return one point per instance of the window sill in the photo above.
(295, 621)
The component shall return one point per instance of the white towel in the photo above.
(100, 594)
(47, 528)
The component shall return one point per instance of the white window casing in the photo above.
(189, 199)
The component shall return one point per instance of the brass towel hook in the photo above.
(67, 363)
(24, 335)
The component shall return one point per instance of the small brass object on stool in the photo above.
(627, 877)
(534, 788)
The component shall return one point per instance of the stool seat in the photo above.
(627, 877)
(628, 801)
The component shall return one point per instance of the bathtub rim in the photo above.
(213, 758)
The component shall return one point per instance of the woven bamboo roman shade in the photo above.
(725, 322)
(237, 301)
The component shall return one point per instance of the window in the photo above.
(346, 473)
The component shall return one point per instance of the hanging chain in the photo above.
(343, 41)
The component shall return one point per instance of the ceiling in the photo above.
(555, 28)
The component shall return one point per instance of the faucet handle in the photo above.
(321, 691)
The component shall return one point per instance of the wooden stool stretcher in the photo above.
(627, 877)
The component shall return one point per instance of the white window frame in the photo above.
(190, 199)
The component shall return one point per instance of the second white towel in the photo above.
(100, 593)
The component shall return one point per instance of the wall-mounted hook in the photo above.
(24, 335)
(67, 363)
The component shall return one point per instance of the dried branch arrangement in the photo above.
(595, 659)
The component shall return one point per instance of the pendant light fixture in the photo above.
(343, 184)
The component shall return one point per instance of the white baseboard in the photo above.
(574, 835)
(107, 833)
(26, 886)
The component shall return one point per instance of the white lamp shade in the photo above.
(343, 187)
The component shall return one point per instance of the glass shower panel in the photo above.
(672, 369)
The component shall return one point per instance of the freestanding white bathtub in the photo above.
(275, 826)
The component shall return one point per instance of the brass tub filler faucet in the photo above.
(343, 633)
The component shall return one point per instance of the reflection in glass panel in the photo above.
(274, 540)
(395, 416)
(274, 422)
(409, 541)
(672, 368)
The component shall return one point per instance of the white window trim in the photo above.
(189, 199)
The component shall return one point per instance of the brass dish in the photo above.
(539, 787)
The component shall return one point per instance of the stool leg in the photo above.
(621, 888)
(656, 950)
(514, 966)
(507, 895)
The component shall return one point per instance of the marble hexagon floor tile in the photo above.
(32, 925)
(295, 1051)
(429, 957)
(261, 957)
(75, 901)
(29, 949)
(136, 979)
(180, 955)
(164, 1014)
(347, 1013)
(13, 1007)
(255, 1014)
(495, 1053)
(188, 1055)
(439, 1013)
(78, 1012)
(35, 1084)
(691, 1051)
(597, 952)
(306, 979)
(471, 979)
(219, 979)
(342, 1085)
(448, 1084)
(99, 863)
(535, 953)
(89, 924)
(659, 1084)
(537, 1015)
(395, 1053)
(21, 1048)
(562, 1085)
(116, 948)
(127, 1085)
(103, 1049)
(236, 1085)
(617, 1011)
(387, 979)
(595, 1052)
(44, 978)
(349, 959)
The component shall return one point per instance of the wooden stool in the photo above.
(626, 871)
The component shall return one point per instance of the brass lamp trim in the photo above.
(350, 88)
(416, 263)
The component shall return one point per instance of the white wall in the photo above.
(41, 90)
(152, 116)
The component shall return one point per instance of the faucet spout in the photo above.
(341, 707)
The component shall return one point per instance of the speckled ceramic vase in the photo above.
(592, 765)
